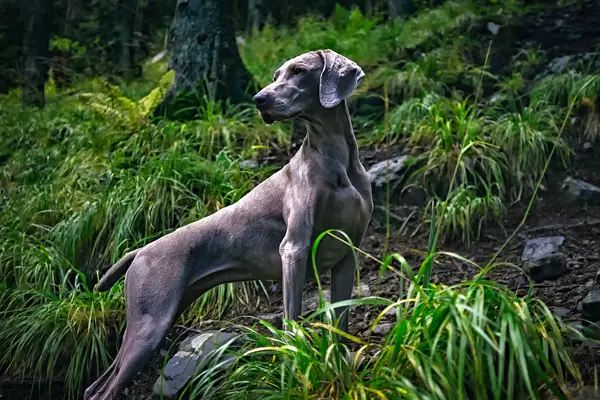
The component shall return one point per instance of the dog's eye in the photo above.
(298, 71)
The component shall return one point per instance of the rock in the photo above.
(310, 304)
(380, 173)
(559, 64)
(383, 328)
(356, 358)
(580, 191)
(365, 290)
(587, 393)
(271, 318)
(193, 351)
(587, 146)
(590, 305)
(249, 164)
(561, 312)
(493, 28)
(541, 258)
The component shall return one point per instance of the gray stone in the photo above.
(365, 290)
(559, 64)
(193, 352)
(383, 328)
(590, 305)
(493, 28)
(561, 312)
(542, 259)
(271, 318)
(580, 191)
(587, 146)
(587, 393)
(310, 304)
(249, 164)
(380, 173)
(356, 358)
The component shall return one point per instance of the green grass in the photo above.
(66, 335)
(87, 179)
(92, 176)
(472, 340)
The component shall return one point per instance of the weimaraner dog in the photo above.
(266, 235)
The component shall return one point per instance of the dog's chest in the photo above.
(345, 209)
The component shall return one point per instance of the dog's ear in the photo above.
(339, 78)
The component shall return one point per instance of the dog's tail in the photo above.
(115, 272)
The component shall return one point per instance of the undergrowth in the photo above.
(476, 339)
(93, 175)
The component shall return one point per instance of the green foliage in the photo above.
(59, 336)
(527, 135)
(91, 177)
(59, 43)
(573, 88)
(467, 211)
(110, 101)
(473, 340)
(358, 37)
(349, 33)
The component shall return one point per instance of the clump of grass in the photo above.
(497, 153)
(472, 340)
(573, 87)
(527, 134)
(467, 211)
(59, 336)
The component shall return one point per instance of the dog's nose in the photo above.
(260, 99)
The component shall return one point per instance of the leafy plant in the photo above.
(527, 135)
(472, 340)
(59, 336)
(576, 88)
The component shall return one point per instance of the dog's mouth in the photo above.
(267, 118)
(270, 118)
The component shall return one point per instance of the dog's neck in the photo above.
(330, 132)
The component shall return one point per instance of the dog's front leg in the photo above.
(294, 251)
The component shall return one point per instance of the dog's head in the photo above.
(321, 78)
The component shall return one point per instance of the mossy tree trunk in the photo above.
(204, 54)
(36, 60)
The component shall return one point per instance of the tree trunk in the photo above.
(399, 8)
(35, 51)
(61, 64)
(12, 29)
(204, 53)
(255, 10)
(124, 22)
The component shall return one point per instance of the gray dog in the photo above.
(266, 235)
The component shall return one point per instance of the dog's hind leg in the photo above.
(148, 320)
(101, 382)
